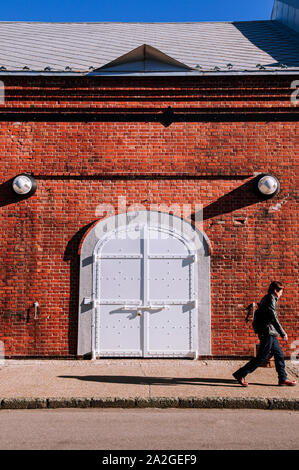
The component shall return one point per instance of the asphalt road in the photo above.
(155, 429)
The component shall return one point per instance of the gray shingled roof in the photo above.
(66, 47)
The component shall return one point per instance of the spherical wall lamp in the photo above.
(24, 185)
(267, 186)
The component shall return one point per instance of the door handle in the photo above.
(144, 307)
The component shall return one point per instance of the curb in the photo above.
(175, 402)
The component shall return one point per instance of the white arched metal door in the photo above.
(145, 294)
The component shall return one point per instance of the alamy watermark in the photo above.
(2, 353)
(2, 92)
(295, 94)
(295, 354)
(127, 220)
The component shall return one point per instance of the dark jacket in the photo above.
(265, 318)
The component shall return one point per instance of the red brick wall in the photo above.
(79, 165)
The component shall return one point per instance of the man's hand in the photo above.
(285, 338)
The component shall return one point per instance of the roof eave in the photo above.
(201, 73)
(193, 73)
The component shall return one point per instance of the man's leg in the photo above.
(264, 351)
(279, 360)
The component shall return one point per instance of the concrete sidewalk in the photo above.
(141, 383)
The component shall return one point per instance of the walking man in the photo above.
(267, 326)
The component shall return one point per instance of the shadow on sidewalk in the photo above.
(137, 380)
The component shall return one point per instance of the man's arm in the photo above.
(272, 315)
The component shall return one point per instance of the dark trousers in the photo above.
(269, 346)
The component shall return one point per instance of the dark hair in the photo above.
(275, 285)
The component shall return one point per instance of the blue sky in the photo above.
(135, 10)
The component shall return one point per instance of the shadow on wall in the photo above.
(71, 256)
(240, 197)
(272, 37)
(7, 195)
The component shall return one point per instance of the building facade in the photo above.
(144, 233)
(287, 12)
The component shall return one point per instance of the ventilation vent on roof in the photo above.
(144, 59)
